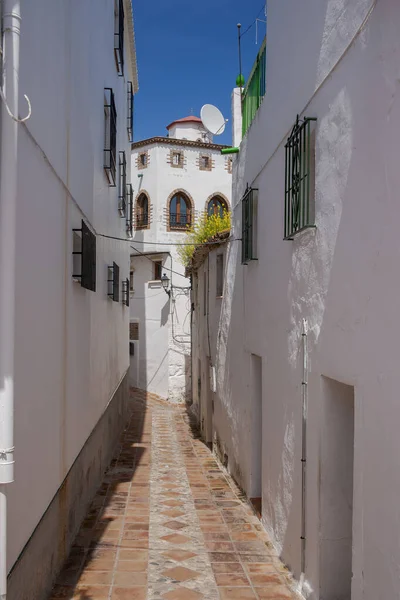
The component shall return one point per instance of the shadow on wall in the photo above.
(96, 532)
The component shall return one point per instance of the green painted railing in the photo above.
(254, 91)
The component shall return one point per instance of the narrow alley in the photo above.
(167, 523)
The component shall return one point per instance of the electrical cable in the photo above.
(112, 237)
(254, 22)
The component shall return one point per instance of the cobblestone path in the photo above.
(167, 524)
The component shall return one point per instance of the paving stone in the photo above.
(167, 524)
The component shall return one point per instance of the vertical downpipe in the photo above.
(8, 195)
(304, 449)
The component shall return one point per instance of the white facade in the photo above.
(161, 363)
(337, 62)
(71, 344)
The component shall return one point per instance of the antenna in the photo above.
(213, 119)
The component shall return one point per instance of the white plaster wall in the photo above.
(159, 181)
(71, 344)
(189, 131)
(341, 277)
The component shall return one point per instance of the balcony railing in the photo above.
(180, 221)
(142, 221)
(254, 92)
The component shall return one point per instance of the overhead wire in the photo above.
(254, 22)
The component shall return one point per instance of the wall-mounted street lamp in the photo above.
(165, 284)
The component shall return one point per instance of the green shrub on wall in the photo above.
(204, 230)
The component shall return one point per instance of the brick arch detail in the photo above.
(140, 193)
(211, 196)
(184, 193)
(191, 207)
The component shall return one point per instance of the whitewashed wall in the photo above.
(342, 277)
(71, 344)
(159, 181)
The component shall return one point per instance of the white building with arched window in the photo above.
(175, 178)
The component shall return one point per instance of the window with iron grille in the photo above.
(84, 257)
(299, 179)
(110, 136)
(131, 275)
(134, 331)
(220, 275)
(142, 212)
(122, 185)
(125, 292)
(119, 36)
(129, 125)
(180, 212)
(129, 210)
(113, 282)
(249, 225)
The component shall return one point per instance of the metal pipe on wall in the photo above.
(11, 17)
(304, 448)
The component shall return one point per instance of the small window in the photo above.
(119, 36)
(249, 225)
(129, 124)
(84, 257)
(176, 159)
(113, 282)
(131, 281)
(122, 189)
(129, 210)
(220, 275)
(142, 160)
(125, 292)
(157, 270)
(180, 213)
(134, 331)
(229, 164)
(299, 179)
(205, 163)
(110, 136)
(142, 212)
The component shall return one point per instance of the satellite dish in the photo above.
(213, 119)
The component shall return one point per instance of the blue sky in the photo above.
(188, 56)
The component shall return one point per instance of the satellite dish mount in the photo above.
(213, 119)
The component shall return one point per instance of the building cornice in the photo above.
(132, 44)
(175, 142)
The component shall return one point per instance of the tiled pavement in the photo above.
(167, 524)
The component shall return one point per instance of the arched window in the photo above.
(180, 212)
(142, 212)
(217, 206)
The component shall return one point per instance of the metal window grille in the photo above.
(299, 167)
(254, 92)
(122, 185)
(220, 275)
(179, 220)
(134, 331)
(129, 211)
(142, 212)
(110, 136)
(113, 282)
(125, 292)
(85, 252)
(249, 225)
(129, 125)
(119, 36)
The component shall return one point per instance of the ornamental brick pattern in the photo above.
(168, 524)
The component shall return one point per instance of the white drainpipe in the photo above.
(8, 195)
(304, 451)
